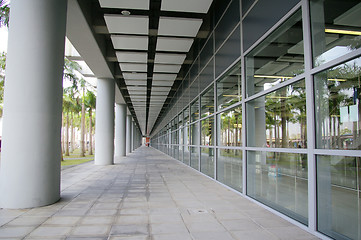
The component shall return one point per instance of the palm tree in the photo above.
(82, 125)
(4, 13)
(90, 101)
(67, 102)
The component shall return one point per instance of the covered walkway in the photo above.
(146, 195)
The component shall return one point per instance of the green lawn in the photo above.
(74, 158)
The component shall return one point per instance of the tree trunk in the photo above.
(67, 135)
(283, 124)
(90, 132)
(62, 134)
(72, 133)
(82, 128)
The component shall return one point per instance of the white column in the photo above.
(129, 135)
(31, 151)
(133, 136)
(104, 123)
(120, 129)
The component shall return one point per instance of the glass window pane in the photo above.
(195, 111)
(180, 158)
(181, 135)
(279, 180)
(186, 135)
(278, 58)
(229, 168)
(186, 115)
(207, 161)
(194, 134)
(180, 119)
(208, 132)
(278, 119)
(186, 156)
(335, 27)
(207, 102)
(338, 106)
(338, 195)
(194, 158)
(230, 127)
(229, 89)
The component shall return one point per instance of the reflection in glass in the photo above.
(194, 158)
(278, 119)
(230, 127)
(186, 135)
(207, 161)
(335, 27)
(175, 137)
(229, 89)
(194, 133)
(180, 118)
(279, 180)
(186, 156)
(180, 156)
(338, 106)
(277, 58)
(339, 196)
(207, 132)
(186, 116)
(229, 168)
(207, 102)
(195, 111)
(175, 152)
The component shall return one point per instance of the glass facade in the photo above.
(207, 161)
(229, 168)
(338, 106)
(279, 117)
(279, 180)
(335, 29)
(230, 127)
(339, 196)
(278, 58)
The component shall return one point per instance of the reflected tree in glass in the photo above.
(338, 102)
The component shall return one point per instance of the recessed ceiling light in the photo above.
(125, 12)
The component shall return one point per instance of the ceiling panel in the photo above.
(135, 76)
(136, 82)
(162, 83)
(163, 89)
(174, 44)
(127, 24)
(157, 97)
(170, 26)
(167, 68)
(137, 99)
(130, 42)
(198, 6)
(133, 67)
(125, 4)
(169, 58)
(159, 93)
(133, 57)
(132, 89)
(165, 77)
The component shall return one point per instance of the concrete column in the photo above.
(129, 135)
(31, 151)
(104, 124)
(120, 129)
(133, 137)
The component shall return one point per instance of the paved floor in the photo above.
(146, 196)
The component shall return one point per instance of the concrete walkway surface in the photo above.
(145, 196)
